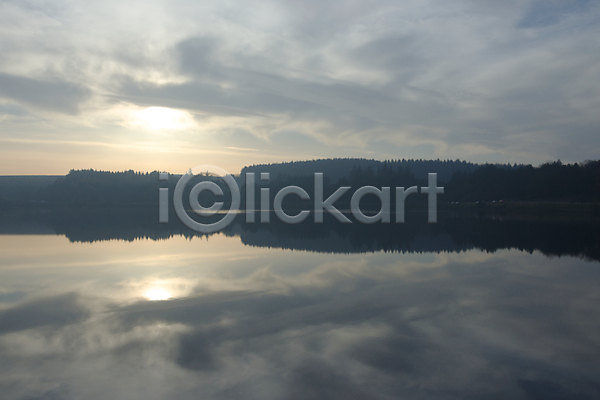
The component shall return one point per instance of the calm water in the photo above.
(468, 308)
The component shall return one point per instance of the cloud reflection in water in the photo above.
(277, 324)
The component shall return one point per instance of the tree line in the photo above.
(463, 182)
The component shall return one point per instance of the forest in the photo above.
(462, 182)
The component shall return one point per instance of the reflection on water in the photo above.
(242, 315)
(552, 236)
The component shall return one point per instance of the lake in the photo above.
(108, 304)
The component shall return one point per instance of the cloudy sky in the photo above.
(152, 84)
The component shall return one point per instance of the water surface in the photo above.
(265, 312)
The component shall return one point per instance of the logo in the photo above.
(209, 170)
(320, 205)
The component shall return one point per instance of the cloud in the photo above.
(55, 95)
(544, 13)
(54, 311)
(485, 81)
(11, 109)
(417, 326)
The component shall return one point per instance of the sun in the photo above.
(156, 118)
(157, 294)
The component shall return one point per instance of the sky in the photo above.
(169, 85)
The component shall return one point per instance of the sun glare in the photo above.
(156, 118)
(157, 294)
